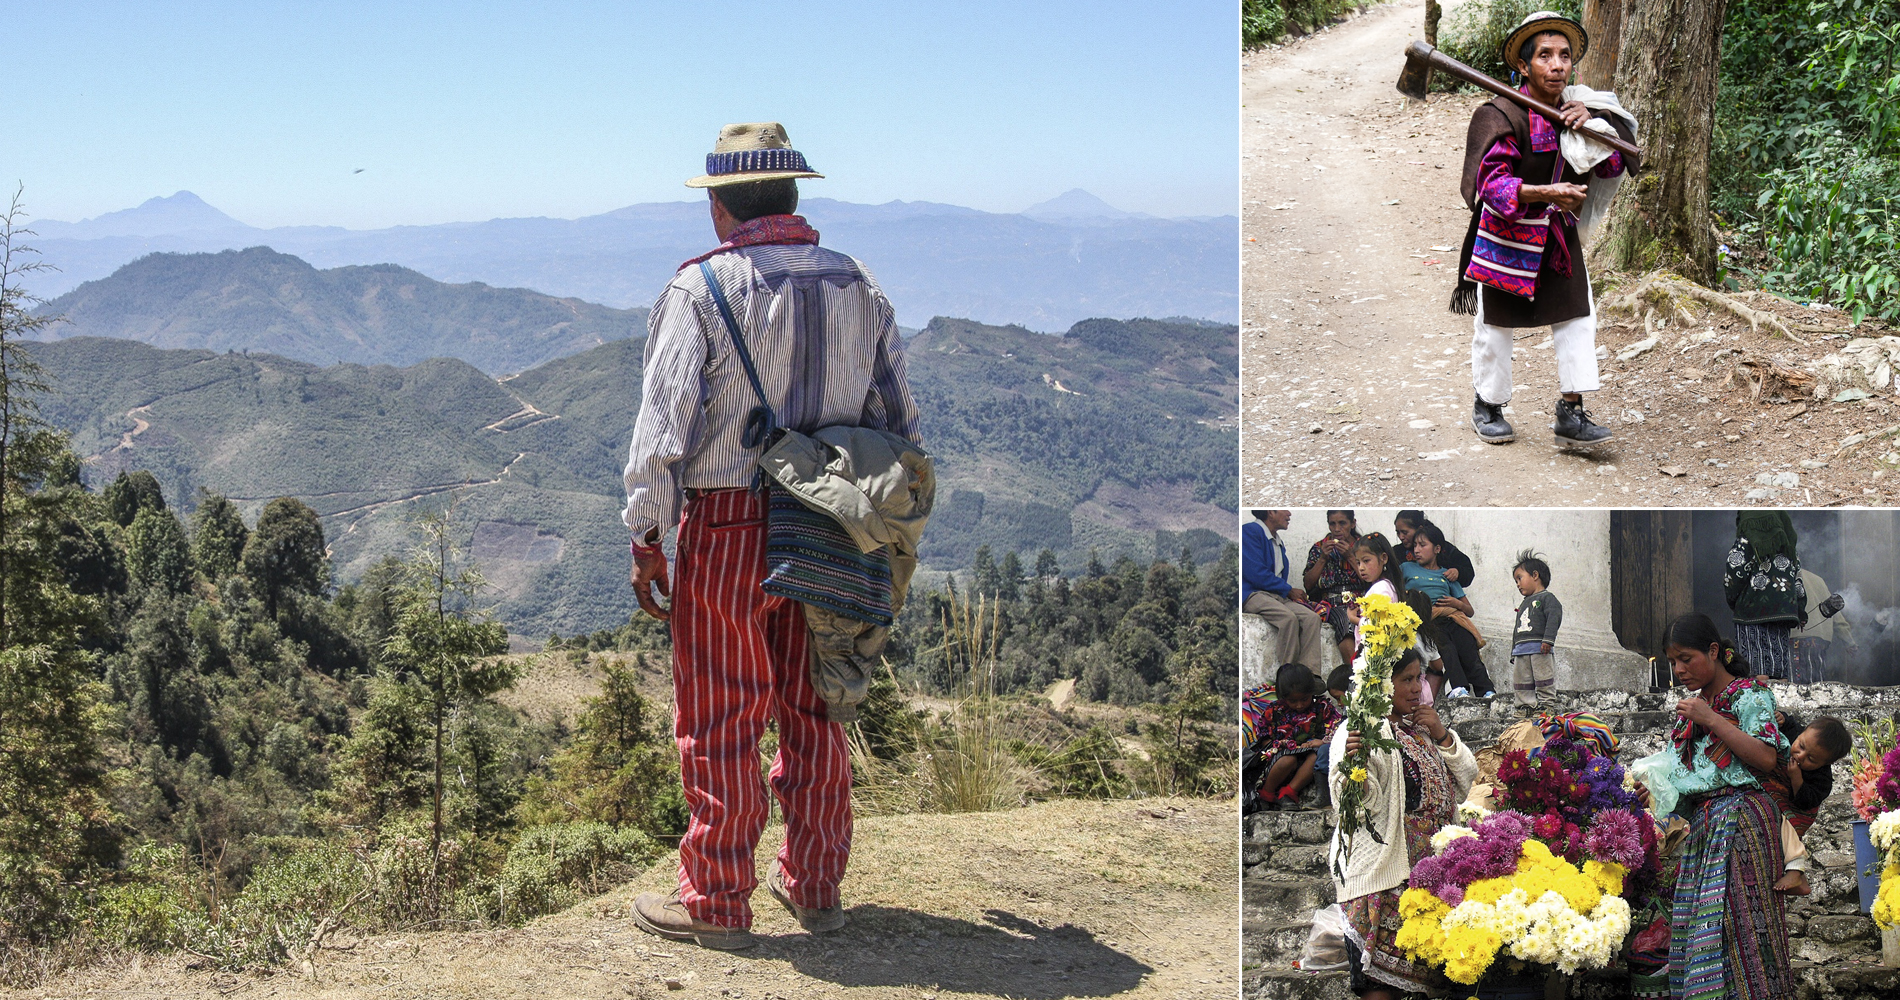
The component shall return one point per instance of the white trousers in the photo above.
(1575, 346)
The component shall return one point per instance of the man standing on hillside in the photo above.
(824, 343)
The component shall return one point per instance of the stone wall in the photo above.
(1576, 544)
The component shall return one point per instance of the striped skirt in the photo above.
(1728, 934)
(1769, 649)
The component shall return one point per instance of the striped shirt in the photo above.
(826, 345)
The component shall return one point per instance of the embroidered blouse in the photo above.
(1334, 574)
(1749, 704)
(1498, 182)
(1282, 729)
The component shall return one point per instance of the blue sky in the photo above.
(472, 111)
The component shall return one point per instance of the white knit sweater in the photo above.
(1374, 867)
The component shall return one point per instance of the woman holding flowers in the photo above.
(1409, 792)
(1728, 933)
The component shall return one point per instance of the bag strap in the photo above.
(761, 426)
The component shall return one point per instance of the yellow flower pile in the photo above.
(1549, 912)
(1387, 626)
(1885, 834)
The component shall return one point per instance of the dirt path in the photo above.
(1356, 379)
(1066, 899)
(139, 426)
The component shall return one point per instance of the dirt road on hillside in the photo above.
(1356, 378)
(1064, 899)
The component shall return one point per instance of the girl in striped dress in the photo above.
(1728, 933)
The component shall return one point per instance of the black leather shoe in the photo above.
(1488, 420)
(1574, 427)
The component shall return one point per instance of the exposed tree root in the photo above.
(1761, 373)
(1663, 293)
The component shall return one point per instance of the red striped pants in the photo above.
(739, 659)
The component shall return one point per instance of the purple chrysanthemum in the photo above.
(1616, 835)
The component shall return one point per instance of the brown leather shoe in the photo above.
(667, 917)
(816, 921)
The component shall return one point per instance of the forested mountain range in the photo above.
(1116, 436)
(261, 300)
(1069, 259)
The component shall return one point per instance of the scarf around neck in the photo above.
(765, 230)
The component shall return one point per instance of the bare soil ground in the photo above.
(1064, 899)
(1355, 378)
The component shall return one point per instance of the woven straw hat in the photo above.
(754, 151)
(1538, 22)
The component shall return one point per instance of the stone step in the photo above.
(1282, 898)
(1306, 826)
(1292, 984)
(1272, 945)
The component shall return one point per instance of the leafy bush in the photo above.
(552, 867)
(1805, 164)
(1263, 22)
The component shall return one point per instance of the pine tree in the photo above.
(218, 535)
(438, 647)
(285, 553)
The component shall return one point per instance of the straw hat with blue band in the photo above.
(1538, 22)
(754, 151)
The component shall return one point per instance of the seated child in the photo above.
(1292, 733)
(1810, 779)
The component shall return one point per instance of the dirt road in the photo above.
(1064, 899)
(1356, 379)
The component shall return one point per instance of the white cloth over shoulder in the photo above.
(1584, 155)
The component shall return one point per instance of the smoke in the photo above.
(1873, 657)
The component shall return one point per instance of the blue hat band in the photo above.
(752, 161)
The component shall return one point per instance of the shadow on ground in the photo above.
(1004, 954)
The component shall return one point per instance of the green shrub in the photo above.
(551, 867)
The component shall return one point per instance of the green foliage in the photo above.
(218, 536)
(550, 867)
(1086, 767)
(156, 551)
(1806, 159)
(285, 554)
(132, 492)
(1263, 22)
(620, 769)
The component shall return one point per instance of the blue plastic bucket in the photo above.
(1866, 866)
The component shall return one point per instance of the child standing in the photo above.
(1534, 631)
(1810, 780)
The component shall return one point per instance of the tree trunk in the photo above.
(1666, 75)
(1432, 14)
(1603, 22)
(435, 841)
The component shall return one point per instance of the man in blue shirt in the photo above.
(1264, 590)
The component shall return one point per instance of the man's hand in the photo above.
(1568, 197)
(1297, 594)
(1574, 114)
(649, 571)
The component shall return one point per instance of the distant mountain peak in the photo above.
(1076, 203)
(182, 212)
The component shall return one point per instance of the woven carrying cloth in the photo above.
(809, 556)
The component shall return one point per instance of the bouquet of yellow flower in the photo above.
(1387, 629)
(1885, 834)
(1494, 889)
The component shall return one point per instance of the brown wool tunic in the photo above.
(1558, 298)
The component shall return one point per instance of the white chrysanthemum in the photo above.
(1469, 811)
(1885, 830)
(1447, 834)
(1473, 914)
(1512, 915)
